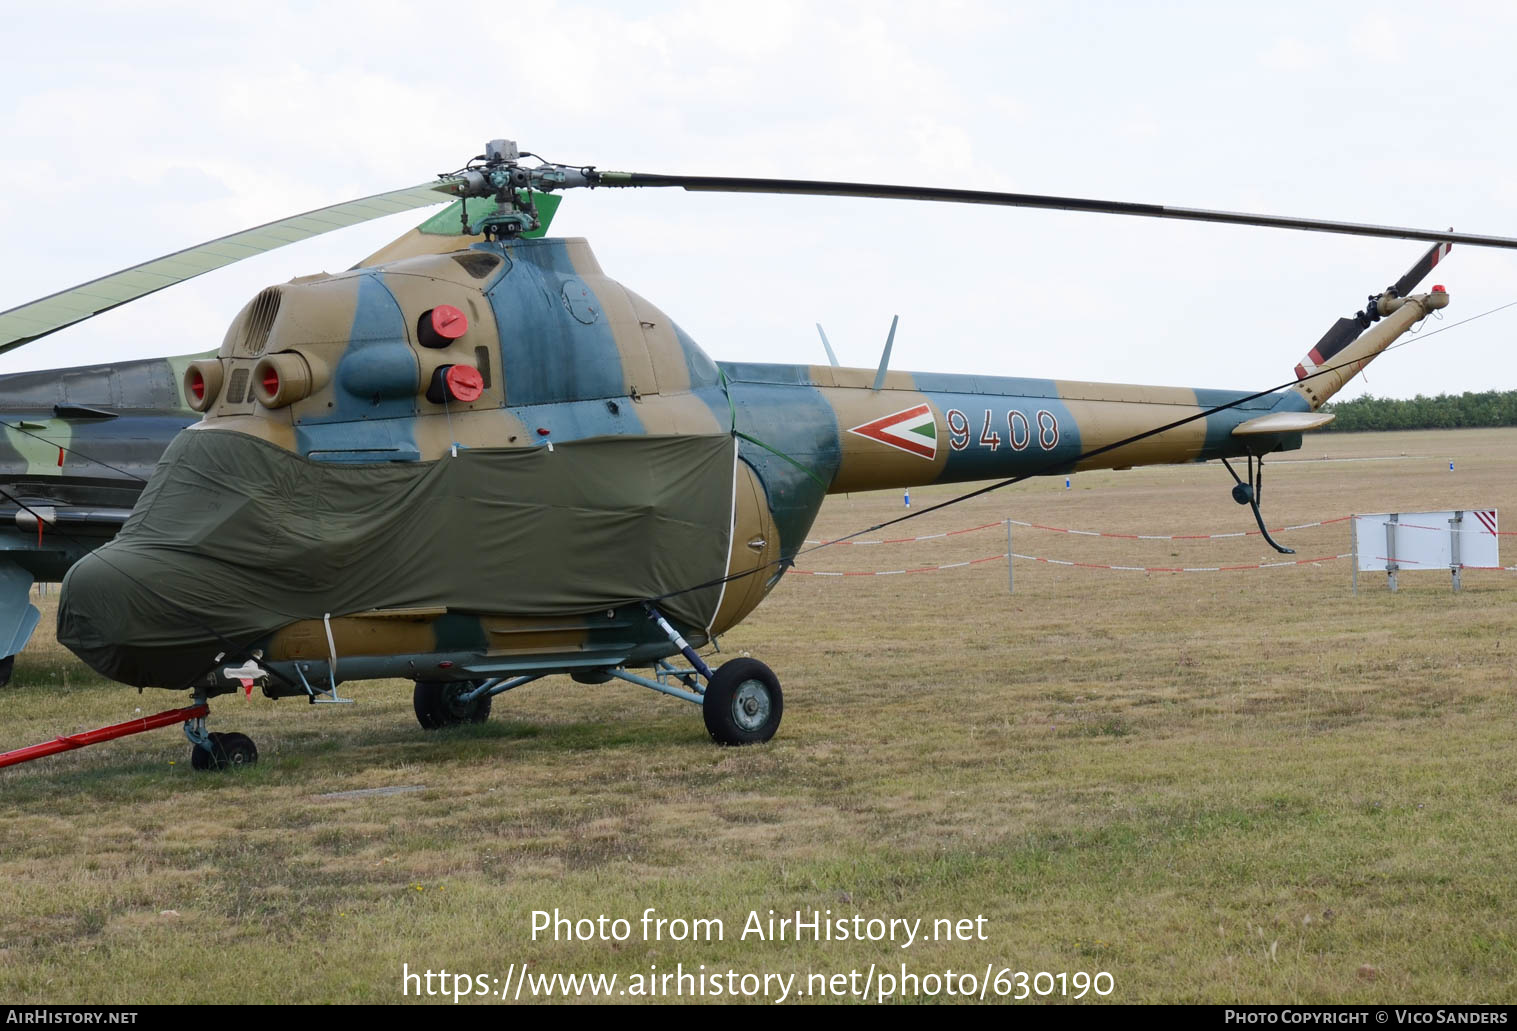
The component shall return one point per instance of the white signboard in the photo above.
(1405, 541)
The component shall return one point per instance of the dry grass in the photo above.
(1225, 786)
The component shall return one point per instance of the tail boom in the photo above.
(1320, 378)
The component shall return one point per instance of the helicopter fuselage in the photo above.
(526, 348)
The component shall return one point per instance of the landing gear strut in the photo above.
(741, 701)
(1250, 492)
(447, 703)
(210, 751)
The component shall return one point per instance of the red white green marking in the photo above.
(913, 430)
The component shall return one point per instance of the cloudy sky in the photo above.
(132, 130)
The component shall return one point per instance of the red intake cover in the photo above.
(448, 322)
(464, 382)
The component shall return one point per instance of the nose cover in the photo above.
(235, 537)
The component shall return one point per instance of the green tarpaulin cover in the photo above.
(234, 538)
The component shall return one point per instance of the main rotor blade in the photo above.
(891, 191)
(28, 322)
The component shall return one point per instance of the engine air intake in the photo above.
(440, 326)
(282, 379)
(202, 383)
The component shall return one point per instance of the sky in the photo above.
(132, 130)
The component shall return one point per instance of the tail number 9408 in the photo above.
(1021, 431)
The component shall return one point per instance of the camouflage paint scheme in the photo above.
(566, 353)
(78, 446)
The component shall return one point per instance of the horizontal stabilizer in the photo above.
(1283, 422)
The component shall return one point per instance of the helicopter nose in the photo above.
(107, 618)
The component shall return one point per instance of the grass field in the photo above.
(1247, 786)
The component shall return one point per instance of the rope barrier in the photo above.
(1146, 536)
(1096, 533)
(1097, 565)
(1179, 536)
(1183, 569)
(1003, 556)
(923, 537)
(901, 572)
(1080, 565)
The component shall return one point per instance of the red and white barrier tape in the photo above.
(1082, 565)
(901, 572)
(1177, 536)
(1094, 533)
(924, 537)
(1146, 536)
(1183, 569)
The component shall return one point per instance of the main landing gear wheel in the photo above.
(439, 704)
(7, 665)
(227, 750)
(743, 703)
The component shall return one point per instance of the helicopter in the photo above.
(476, 466)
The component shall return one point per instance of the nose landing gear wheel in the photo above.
(227, 750)
(438, 704)
(743, 703)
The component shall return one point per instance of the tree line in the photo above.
(1444, 412)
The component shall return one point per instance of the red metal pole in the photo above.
(94, 737)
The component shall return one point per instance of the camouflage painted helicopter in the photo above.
(473, 467)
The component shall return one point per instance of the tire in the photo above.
(238, 750)
(437, 705)
(202, 759)
(226, 751)
(743, 703)
(7, 666)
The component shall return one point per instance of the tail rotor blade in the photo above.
(1342, 333)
